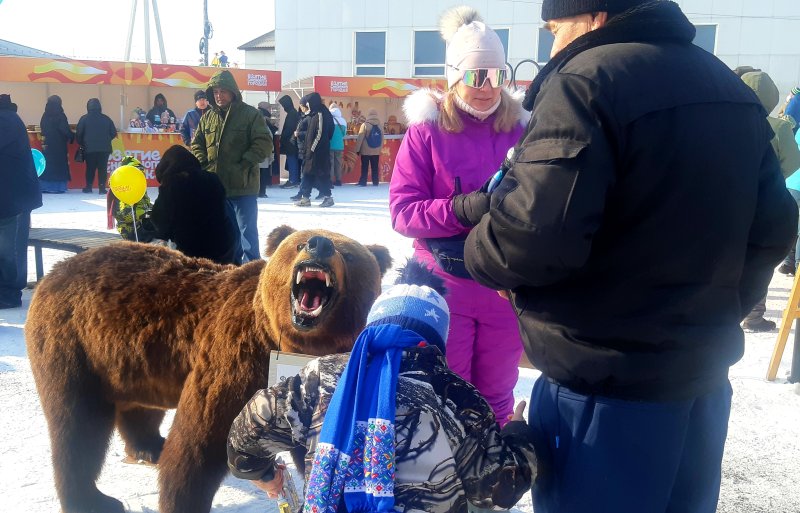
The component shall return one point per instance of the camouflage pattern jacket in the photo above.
(449, 448)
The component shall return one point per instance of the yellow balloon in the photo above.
(128, 184)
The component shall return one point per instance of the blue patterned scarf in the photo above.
(355, 452)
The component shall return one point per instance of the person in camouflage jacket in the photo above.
(449, 449)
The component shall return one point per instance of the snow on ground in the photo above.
(760, 470)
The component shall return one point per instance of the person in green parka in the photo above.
(231, 141)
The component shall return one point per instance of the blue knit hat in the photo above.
(418, 308)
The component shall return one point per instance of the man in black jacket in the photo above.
(287, 145)
(19, 195)
(639, 222)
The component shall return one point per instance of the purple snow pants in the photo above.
(484, 344)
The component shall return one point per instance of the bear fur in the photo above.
(117, 335)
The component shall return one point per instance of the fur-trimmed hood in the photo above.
(422, 106)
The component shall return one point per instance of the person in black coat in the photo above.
(641, 218)
(267, 166)
(160, 110)
(19, 195)
(191, 209)
(57, 135)
(287, 143)
(95, 133)
(317, 153)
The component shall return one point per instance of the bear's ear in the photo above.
(382, 256)
(275, 238)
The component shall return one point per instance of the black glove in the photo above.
(470, 208)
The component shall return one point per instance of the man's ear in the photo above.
(599, 19)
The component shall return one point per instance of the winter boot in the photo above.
(303, 202)
(327, 202)
(758, 325)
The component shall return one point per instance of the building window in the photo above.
(706, 37)
(545, 46)
(370, 50)
(503, 34)
(429, 53)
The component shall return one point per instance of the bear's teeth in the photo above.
(299, 277)
(327, 280)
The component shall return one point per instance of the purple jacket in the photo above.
(430, 159)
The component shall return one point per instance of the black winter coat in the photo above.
(288, 146)
(643, 215)
(191, 210)
(57, 135)
(20, 190)
(317, 159)
(95, 130)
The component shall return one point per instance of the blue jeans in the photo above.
(601, 454)
(293, 167)
(246, 210)
(791, 258)
(14, 233)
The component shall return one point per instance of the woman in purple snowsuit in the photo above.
(462, 136)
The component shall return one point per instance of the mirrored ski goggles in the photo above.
(477, 77)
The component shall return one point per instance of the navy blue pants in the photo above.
(245, 209)
(14, 233)
(611, 456)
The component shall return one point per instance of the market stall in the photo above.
(356, 96)
(123, 88)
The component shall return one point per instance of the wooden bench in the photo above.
(66, 239)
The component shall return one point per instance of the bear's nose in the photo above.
(320, 247)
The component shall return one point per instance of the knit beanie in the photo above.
(200, 94)
(555, 9)
(416, 307)
(470, 43)
(795, 91)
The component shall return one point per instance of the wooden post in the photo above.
(791, 313)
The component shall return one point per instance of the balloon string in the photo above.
(135, 231)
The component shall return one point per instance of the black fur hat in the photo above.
(555, 9)
(176, 160)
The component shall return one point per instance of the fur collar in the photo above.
(422, 106)
(653, 21)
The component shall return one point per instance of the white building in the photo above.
(400, 39)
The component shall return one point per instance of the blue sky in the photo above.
(97, 29)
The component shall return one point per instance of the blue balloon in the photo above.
(39, 162)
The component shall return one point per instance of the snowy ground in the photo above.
(761, 470)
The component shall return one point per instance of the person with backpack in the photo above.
(337, 144)
(369, 145)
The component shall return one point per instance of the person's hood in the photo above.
(53, 106)
(157, 97)
(93, 105)
(764, 87)
(337, 115)
(287, 103)
(224, 80)
(177, 160)
(315, 102)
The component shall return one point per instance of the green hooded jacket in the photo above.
(232, 143)
(783, 143)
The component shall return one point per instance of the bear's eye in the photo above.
(348, 257)
(301, 247)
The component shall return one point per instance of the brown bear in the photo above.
(118, 335)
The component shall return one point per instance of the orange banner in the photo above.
(147, 148)
(25, 69)
(351, 162)
(374, 86)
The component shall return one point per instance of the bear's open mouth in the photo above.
(313, 289)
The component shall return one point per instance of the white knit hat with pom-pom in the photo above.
(470, 43)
